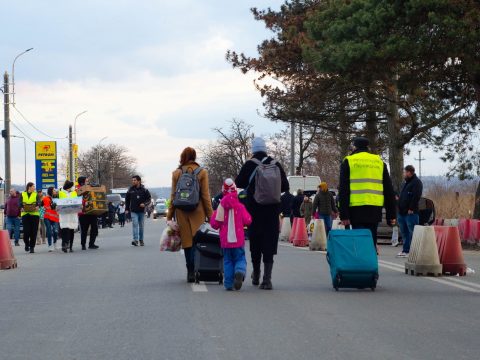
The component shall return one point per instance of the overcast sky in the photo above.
(152, 75)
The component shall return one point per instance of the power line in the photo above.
(22, 131)
(33, 126)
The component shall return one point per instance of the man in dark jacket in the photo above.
(12, 213)
(297, 203)
(87, 221)
(365, 188)
(408, 207)
(286, 204)
(137, 198)
(264, 230)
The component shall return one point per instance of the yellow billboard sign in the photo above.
(45, 150)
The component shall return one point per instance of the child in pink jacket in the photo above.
(230, 218)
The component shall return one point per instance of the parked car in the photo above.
(426, 213)
(160, 210)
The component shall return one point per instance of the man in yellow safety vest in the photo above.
(365, 189)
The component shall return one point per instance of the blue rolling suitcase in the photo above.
(353, 259)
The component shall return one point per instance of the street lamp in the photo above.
(98, 158)
(75, 126)
(24, 154)
(13, 73)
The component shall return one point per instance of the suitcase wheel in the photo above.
(197, 277)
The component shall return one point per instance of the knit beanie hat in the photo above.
(81, 180)
(258, 145)
(361, 142)
(67, 185)
(229, 186)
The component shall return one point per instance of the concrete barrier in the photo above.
(423, 258)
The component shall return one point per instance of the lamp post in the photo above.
(13, 73)
(24, 154)
(75, 126)
(98, 158)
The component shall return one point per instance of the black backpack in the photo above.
(187, 193)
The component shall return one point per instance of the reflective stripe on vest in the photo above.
(28, 200)
(366, 179)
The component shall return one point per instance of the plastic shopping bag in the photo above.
(170, 239)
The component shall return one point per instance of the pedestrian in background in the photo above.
(297, 203)
(41, 239)
(230, 218)
(51, 218)
(264, 230)
(324, 205)
(121, 214)
(12, 216)
(68, 222)
(365, 188)
(306, 209)
(190, 221)
(87, 221)
(29, 205)
(408, 207)
(286, 205)
(136, 200)
(111, 214)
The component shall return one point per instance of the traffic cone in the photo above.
(423, 258)
(286, 230)
(300, 237)
(450, 250)
(294, 228)
(319, 236)
(465, 228)
(7, 258)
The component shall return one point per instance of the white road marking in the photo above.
(199, 288)
(449, 281)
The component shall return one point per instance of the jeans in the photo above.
(407, 224)
(327, 220)
(138, 220)
(51, 228)
(234, 261)
(373, 227)
(13, 227)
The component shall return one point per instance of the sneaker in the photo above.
(84, 247)
(93, 247)
(142, 243)
(402, 255)
(395, 243)
(17, 244)
(135, 243)
(238, 280)
(27, 248)
(50, 248)
(32, 250)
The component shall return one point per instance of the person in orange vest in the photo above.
(51, 218)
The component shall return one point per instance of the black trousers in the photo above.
(30, 230)
(373, 227)
(67, 237)
(263, 234)
(189, 258)
(86, 222)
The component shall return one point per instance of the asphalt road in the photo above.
(121, 302)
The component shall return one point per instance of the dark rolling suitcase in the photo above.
(353, 259)
(208, 256)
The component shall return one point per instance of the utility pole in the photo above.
(71, 170)
(112, 169)
(292, 149)
(6, 132)
(420, 159)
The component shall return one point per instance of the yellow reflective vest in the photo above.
(64, 194)
(29, 200)
(366, 179)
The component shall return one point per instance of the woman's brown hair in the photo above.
(188, 155)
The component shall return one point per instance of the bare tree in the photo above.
(225, 156)
(109, 165)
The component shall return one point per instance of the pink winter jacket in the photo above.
(231, 239)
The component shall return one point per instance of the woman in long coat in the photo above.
(264, 231)
(190, 221)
